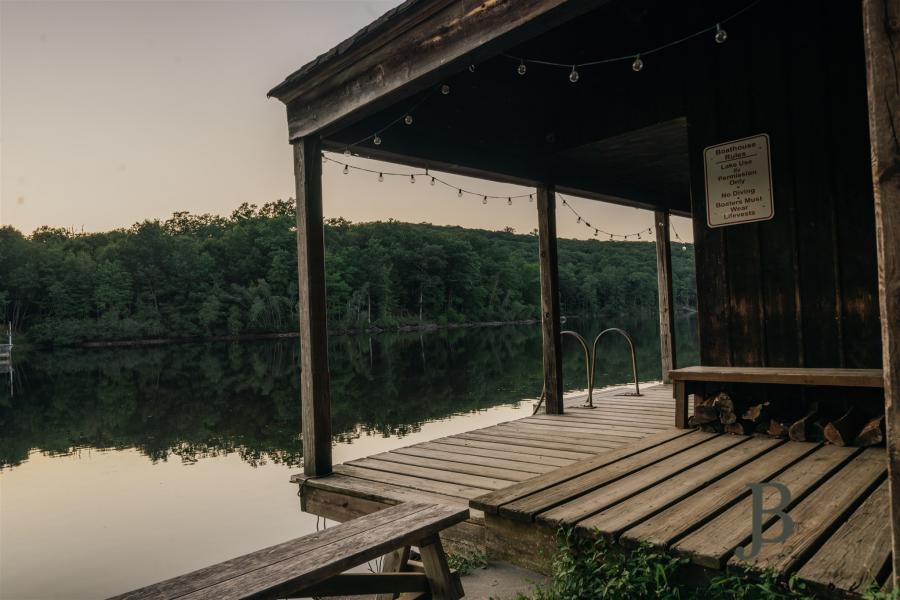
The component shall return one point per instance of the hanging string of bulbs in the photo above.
(346, 168)
(720, 35)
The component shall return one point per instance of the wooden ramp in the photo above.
(456, 469)
(685, 491)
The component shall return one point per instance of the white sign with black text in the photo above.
(738, 182)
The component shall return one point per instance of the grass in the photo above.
(584, 569)
(466, 563)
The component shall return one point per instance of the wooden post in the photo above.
(550, 321)
(666, 301)
(315, 385)
(881, 27)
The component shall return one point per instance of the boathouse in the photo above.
(773, 126)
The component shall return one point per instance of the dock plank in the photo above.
(471, 450)
(712, 544)
(398, 468)
(492, 502)
(453, 467)
(415, 483)
(512, 465)
(613, 521)
(857, 553)
(525, 508)
(816, 514)
(664, 528)
(608, 495)
(477, 442)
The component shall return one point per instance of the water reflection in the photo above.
(192, 401)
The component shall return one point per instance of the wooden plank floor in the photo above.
(686, 492)
(461, 467)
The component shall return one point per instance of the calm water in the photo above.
(121, 467)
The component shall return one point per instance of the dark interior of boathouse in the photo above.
(799, 290)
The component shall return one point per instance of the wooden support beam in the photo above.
(881, 27)
(315, 384)
(666, 302)
(550, 317)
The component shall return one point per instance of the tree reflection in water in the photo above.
(192, 401)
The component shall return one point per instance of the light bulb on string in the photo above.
(639, 236)
(471, 68)
(579, 219)
(347, 151)
(346, 169)
(573, 76)
(610, 237)
(412, 178)
(432, 181)
(683, 247)
(484, 200)
(531, 197)
(408, 119)
(445, 89)
(376, 140)
(381, 177)
(638, 64)
(596, 232)
(509, 201)
(721, 34)
(521, 69)
(459, 193)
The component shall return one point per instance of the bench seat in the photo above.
(315, 564)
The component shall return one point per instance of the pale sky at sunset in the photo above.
(116, 112)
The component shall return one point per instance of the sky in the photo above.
(113, 112)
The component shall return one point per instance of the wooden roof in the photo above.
(613, 136)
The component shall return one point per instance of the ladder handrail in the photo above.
(623, 333)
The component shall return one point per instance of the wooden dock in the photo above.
(459, 468)
(686, 492)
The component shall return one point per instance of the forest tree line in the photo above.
(208, 275)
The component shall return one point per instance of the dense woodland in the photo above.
(207, 275)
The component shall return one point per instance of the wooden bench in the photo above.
(315, 565)
(690, 380)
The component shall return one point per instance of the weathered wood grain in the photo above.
(857, 553)
(610, 494)
(881, 31)
(817, 514)
(613, 521)
(315, 380)
(666, 300)
(712, 544)
(492, 502)
(692, 512)
(782, 375)
(550, 315)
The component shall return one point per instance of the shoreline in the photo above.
(289, 334)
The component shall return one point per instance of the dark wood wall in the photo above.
(800, 289)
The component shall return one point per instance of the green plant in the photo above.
(466, 563)
(597, 569)
(874, 593)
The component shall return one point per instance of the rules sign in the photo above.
(738, 182)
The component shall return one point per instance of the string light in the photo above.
(346, 167)
(637, 62)
(408, 119)
(376, 140)
(721, 34)
(445, 89)
(471, 68)
(521, 69)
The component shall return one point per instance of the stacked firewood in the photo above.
(720, 413)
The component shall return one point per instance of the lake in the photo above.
(123, 466)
